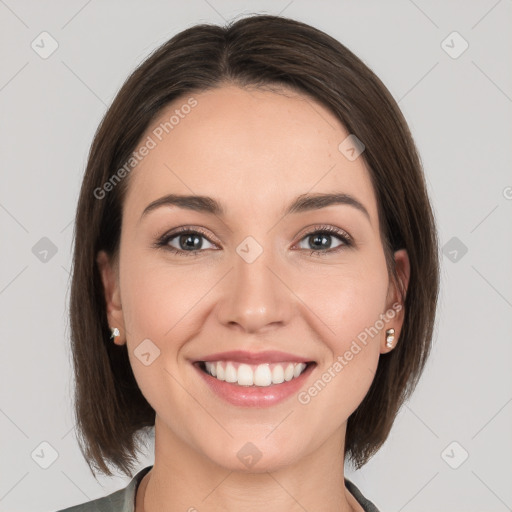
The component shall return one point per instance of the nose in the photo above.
(255, 298)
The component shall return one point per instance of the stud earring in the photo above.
(115, 332)
(390, 337)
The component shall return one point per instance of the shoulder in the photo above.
(122, 500)
(367, 505)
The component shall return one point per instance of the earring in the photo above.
(115, 332)
(390, 337)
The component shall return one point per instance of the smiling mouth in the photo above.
(257, 375)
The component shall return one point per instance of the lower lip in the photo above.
(255, 396)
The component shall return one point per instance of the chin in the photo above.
(251, 456)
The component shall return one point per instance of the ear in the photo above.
(395, 301)
(110, 278)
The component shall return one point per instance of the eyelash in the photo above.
(343, 236)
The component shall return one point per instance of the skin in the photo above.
(254, 151)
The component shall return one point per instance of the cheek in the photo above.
(161, 303)
(348, 301)
(157, 296)
(359, 306)
(349, 307)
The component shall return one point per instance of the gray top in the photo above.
(124, 499)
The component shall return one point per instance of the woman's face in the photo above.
(246, 279)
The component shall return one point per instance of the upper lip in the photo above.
(267, 356)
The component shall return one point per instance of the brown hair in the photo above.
(257, 51)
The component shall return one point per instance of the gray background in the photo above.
(459, 112)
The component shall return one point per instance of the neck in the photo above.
(183, 479)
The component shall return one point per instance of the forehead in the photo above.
(251, 149)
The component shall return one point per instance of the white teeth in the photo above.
(220, 372)
(211, 368)
(231, 373)
(297, 371)
(288, 373)
(277, 374)
(261, 375)
(245, 375)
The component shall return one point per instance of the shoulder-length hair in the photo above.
(257, 51)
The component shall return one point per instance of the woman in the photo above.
(255, 273)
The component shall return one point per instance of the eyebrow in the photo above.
(303, 203)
